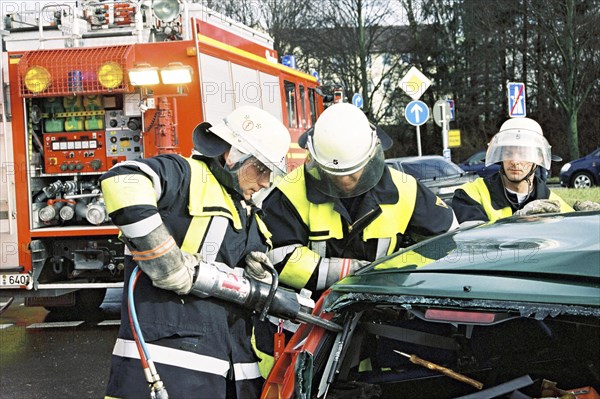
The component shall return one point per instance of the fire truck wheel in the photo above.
(88, 300)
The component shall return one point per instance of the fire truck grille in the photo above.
(75, 71)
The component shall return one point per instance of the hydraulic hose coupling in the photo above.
(158, 391)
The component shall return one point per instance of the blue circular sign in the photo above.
(357, 100)
(316, 75)
(416, 113)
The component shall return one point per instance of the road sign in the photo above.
(451, 105)
(453, 138)
(416, 113)
(357, 100)
(414, 83)
(289, 60)
(316, 75)
(516, 100)
(441, 109)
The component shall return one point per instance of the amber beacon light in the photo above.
(37, 79)
(110, 75)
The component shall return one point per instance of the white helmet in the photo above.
(254, 132)
(343, 140)
(519, 139)
(342, 143)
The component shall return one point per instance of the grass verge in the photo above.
(570, 195)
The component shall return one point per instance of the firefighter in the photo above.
(173, 212)
(344, 209)
(520, 147)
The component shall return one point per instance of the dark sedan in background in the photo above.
(476, 164)
(491, 311)
(583, 172)
(440, 175)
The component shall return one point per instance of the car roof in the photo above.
(557, 257)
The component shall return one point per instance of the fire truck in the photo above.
(88, 84)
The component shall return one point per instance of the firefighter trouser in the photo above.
(185, 372)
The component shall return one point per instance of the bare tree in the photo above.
(289, 22)
(569, 61)
(552, 46)
(469, 48)
(352, 37)
(248, 12)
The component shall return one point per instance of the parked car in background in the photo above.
(440, 175)
(476, 163)
(507, 305)
(583, 172)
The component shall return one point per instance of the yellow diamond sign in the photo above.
(414, 83)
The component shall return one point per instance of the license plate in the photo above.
(14, 280)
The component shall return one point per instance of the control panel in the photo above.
(123, 137)
(75, 152)
(123, 145)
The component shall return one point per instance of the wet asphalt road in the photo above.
(48, 356)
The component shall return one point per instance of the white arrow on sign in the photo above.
(416, 110)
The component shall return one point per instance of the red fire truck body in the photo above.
(117, 86)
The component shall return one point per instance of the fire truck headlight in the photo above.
(176, 74)
(110, 75)
(166, 10)
(96, 214)
(143, 75)
(37, 79)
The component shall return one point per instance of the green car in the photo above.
(495, 310)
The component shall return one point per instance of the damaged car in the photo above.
(503, 310)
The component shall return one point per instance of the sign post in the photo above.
(417, 113)
(441, 116)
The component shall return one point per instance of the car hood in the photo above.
(548, 259)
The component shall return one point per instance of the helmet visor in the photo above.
(257, 170)
(348, 185)
(518, 154)
(519, 146)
